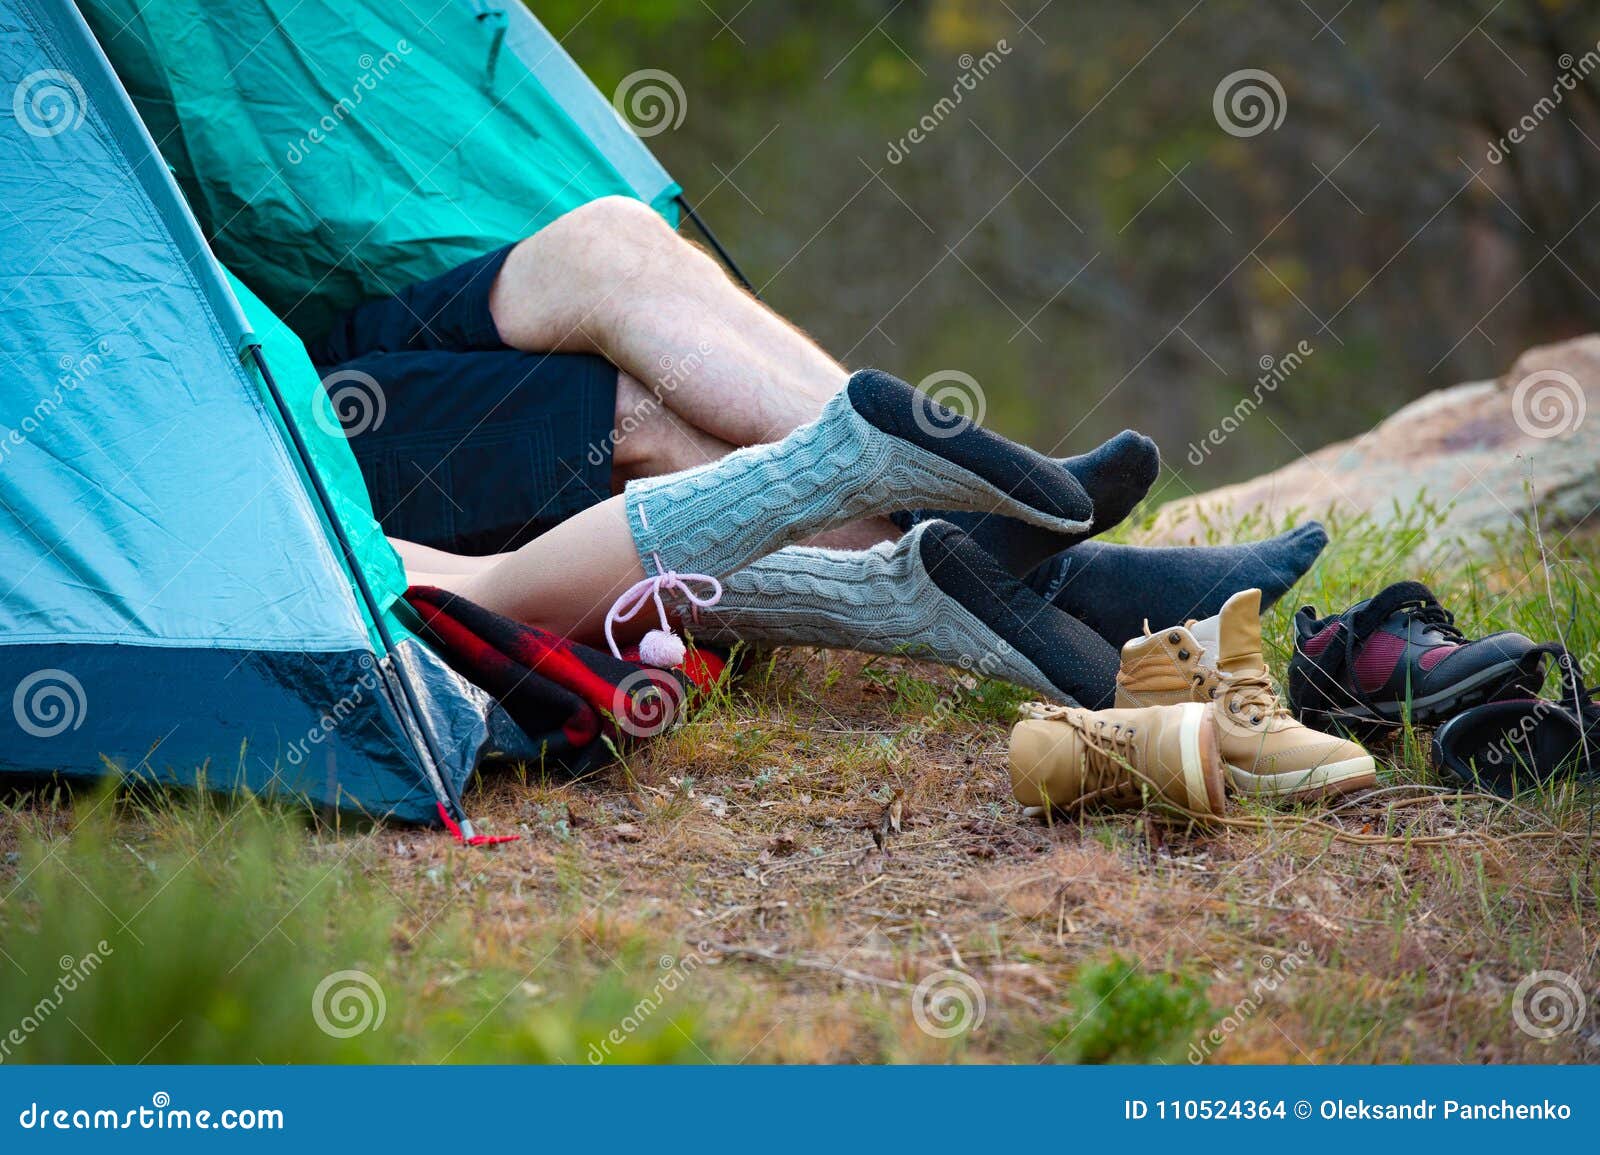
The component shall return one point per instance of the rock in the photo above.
(1472, 449)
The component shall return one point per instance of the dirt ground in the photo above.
(833, 832)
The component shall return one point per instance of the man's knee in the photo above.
(620, 237)
(612, 224)
(600, 247)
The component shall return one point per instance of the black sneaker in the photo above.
(1514, 745)
(1400, 655)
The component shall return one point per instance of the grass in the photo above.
(824, 863)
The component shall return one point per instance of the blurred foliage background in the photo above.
(1080, 234)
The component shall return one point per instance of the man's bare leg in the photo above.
(612, 278)
(649, 439)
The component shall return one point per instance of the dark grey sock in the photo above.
(1114, 588)
(1116, 476)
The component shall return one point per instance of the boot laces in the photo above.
(1207, 679)
(1250, 694)
(1203, 676)
(1108, 754)
(1108, 746)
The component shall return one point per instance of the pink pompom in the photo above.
(660, 648)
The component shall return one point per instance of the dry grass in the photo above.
(760, 833)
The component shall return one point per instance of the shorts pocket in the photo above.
(466, 490)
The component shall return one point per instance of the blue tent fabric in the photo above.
(171, 604)
(331, 455)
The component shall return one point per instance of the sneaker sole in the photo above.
(1488, 685)
(1327, 781)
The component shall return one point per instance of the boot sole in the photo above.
(1319, 782)
(1203, 777)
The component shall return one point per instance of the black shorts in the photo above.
(478, 447)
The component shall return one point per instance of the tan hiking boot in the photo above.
(1164, 669)
(1267, 752)
(1071, 758)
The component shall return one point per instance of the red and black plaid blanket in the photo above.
(563, 695)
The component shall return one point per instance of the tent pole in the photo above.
(716, 245)
(443, 786)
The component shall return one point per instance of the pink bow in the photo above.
(641, 593)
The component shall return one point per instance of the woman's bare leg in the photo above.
(536, 583)
(563, 581)
(422, 561)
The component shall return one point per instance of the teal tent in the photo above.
(335, 150)
(192, 585)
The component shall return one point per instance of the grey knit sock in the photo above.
(878, 446)
(931, 594)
